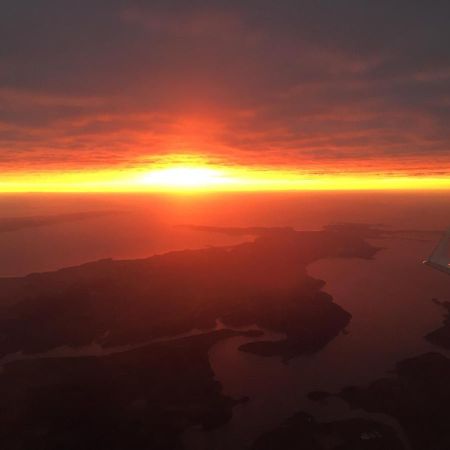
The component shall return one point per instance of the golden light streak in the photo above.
(192, 178)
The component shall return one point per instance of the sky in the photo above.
(331, 93)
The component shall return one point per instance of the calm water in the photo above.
(389, 297)
(142, 225)
(391, 314)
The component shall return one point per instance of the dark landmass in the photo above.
(378, 231)
(139, 399)
(318, 396)
(18, 223)
(263, 282)
(238, 231)
(417, 395)
(441, 336)
(302, 431)
(308, 330)
(146, 398)
(362, 230)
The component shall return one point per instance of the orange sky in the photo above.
(229, 96)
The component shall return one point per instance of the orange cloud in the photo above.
(305, 89)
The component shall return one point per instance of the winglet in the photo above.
(440, 257)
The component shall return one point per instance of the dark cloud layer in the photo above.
(318, 84)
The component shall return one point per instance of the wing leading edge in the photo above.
(440, 257)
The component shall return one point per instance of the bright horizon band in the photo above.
(209, 178)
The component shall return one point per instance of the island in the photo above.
(262, 282)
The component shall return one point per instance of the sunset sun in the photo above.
(185, 177)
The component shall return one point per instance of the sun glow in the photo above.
(186, 177)
(173, 174)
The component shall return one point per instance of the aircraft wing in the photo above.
(440, 258)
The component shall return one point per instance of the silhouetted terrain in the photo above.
(238, 231)
(417, 395)
(138, 399)
(146, 397)
(302, 431)
(441, 336)
(263, 282)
